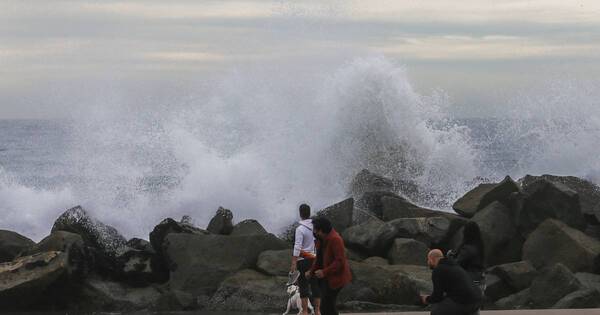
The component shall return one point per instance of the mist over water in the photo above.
(261, 141)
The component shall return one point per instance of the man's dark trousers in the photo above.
(449, 307)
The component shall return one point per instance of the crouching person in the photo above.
(331, 267)
(453, 290)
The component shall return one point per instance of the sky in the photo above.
(54, 54)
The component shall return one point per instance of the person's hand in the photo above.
(319, 274)
(294, 267)
(424, 299)
(308, 275)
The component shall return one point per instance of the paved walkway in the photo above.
(520, 312)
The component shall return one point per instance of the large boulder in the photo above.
(99, 235)
(340, 214)
(431, 231)
(553, 284)
(517, 301)
(168, 226)
(78, 254)
(379, 285)
(483, 195)
(140, 267)
(373, 237)
(366, 181)
(421, 275)
(543, 200)
(12, 244)
(589, 280)
(198, 263)
(249, 227)
(501, 240)
(582, 299)
(589, 193)
(34, 282)
(250, 291)
(96, 294)
(555, 242)
(518, 275)
(497, 288)
(406, 251)
(222, 222)
(275, 262)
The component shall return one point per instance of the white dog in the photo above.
(294, 293)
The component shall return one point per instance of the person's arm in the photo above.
(337, 246)
(298, 240)
(438, 288)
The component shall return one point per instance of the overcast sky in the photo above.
(476, 50)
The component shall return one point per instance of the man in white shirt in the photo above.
(303, 258)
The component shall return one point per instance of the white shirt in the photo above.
(304, 240)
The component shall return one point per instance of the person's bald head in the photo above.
(433, 258)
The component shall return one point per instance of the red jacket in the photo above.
(335, 265)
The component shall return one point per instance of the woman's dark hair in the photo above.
(321, 224)
(304, 211)
(472, 236)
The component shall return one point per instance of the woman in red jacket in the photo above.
(331, 266)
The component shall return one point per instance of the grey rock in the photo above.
(421, 275)
(406, 251)
(140, 267)
(108, 296)
(79, 256)
(168, 226)
(249, 227)
(250, 291)
(12, 244)
(198, 263)
(373, 237)
(552, 285)
(497, 288)
(376, 261)
(569, 246)
(275, 262)
(366, 181)
(431, 231)
(549, 200)
(589, 280)
(340, 214)
(32, 282)
(222, 222)
(518, 301)
(99, 235)
(585, 298)
(483, 195)
(499, 233)
(518, 275)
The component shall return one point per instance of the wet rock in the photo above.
(549, 200)
(340, 214)
(373, 237)
(483, 195)
(99, 235)
(517, 301)
(497, 288)
(248, 227)
(406, 251)
(275, 262)
(589, 280)
(140, 244)
(140, 267)
(421, 275)
(431, 231)
(108, 296)
(552, 285)
(12, 244)
(250, 291)
(168, 226)
(33, 282)
(372, 202)
(79, 257)
(222, 222)
(517, 275)
(366, 181)
(582, 299)
(198, 263)
(175, 300)
(589, 193)
(555, 242)
(499, 233)
(387, 287)
(376, 261)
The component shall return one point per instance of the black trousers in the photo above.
(449, 307)
(307, 286)
(328, 299)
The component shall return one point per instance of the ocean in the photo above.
(262, 149)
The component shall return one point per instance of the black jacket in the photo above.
(452, 281)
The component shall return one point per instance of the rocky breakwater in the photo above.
(540, 234)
